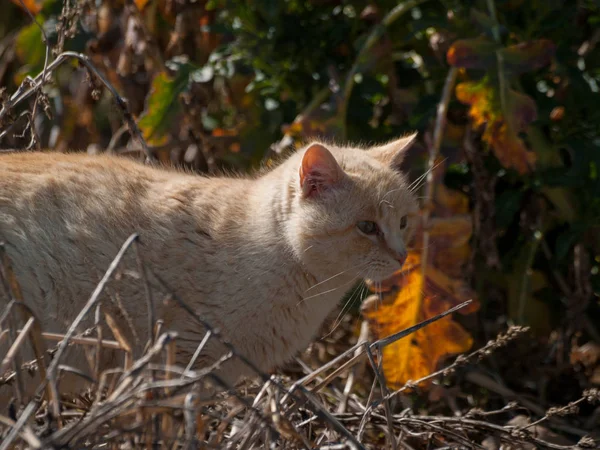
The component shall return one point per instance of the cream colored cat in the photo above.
(264, 259)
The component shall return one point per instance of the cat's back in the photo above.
(49, 195)
(23, 173)
(112, 186)
(59, 176)
(63, 217)
(92, 203)
(41, 162)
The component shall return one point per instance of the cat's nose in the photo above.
(401, 258)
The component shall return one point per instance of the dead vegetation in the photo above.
(152, 403)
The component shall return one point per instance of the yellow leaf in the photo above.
(499, 134)
(402, 305)
(481, 100)
(140, 4)
(419, 354)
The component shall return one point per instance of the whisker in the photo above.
(390, 192)
(336, 275)
(419, 186)
(429, 170)
(361, 291)
(422, 179)
(343, 312)
(327, 291)
(417, 183)
(418, 180)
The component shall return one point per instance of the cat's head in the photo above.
(353, 211)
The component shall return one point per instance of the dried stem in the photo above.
(34, 85)
(52, 370)
(434, 150)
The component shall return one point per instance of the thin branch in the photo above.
(34, 137)
(384, 392)
(20, 424)
(53, 368)
(434, 150)
(147, 291)
(23, 93)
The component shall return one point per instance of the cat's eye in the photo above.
(403, 222)
(368, 227)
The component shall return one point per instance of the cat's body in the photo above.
(264, 260)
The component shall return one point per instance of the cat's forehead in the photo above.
(391, 194)
(383, 188)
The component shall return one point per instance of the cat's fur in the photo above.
(264, 259)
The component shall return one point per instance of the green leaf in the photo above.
(162, 105)
(30, 50)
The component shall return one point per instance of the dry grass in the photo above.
(153, 403)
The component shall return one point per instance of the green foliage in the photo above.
(163, 105)
(29, 51)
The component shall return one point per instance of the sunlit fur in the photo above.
(323, 233)
(252, 256)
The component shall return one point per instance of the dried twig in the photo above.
(434, 150)
(150, 393)
(34, 85)
(52, 370)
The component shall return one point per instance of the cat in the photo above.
(264, 259)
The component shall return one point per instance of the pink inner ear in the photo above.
(319, 170)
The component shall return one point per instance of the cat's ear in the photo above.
(392, 153)
(319, 170)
